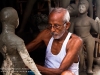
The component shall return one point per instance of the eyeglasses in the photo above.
(56, 26)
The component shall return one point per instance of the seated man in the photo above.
(12, 47)
(62, 46)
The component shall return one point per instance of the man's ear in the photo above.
(67, 25)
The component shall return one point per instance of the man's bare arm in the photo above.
(35, 43)
(49, 71)
(73, 50)
(39, 40)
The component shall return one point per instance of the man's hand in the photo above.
(68, 72)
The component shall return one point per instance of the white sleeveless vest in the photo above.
(54, 61)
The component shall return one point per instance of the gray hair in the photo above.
(60, 10)
(67, 16)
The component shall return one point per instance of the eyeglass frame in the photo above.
(56, 26)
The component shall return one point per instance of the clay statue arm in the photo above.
(27, 59)
(96, 25)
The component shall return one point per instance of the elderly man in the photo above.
(62, 46)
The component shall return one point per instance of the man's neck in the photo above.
(63, 37)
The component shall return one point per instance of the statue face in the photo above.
(82, 8)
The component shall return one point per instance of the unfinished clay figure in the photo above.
(12, 47)
(81, 27)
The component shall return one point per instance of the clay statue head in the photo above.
(83, 6)
(9, 17)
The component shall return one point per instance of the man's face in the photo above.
(57, 26)
(82, 8)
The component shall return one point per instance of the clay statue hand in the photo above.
(97, 20)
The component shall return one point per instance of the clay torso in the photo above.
(12, 64)
(82, 26)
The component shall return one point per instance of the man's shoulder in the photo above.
(45, 31)
(76, 38)
(75, 42)
(44, 35)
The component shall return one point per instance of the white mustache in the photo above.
(52, 33)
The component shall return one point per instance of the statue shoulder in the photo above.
(18, 40)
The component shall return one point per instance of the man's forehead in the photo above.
(59, 13)
(56, 18)
(56, 15)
